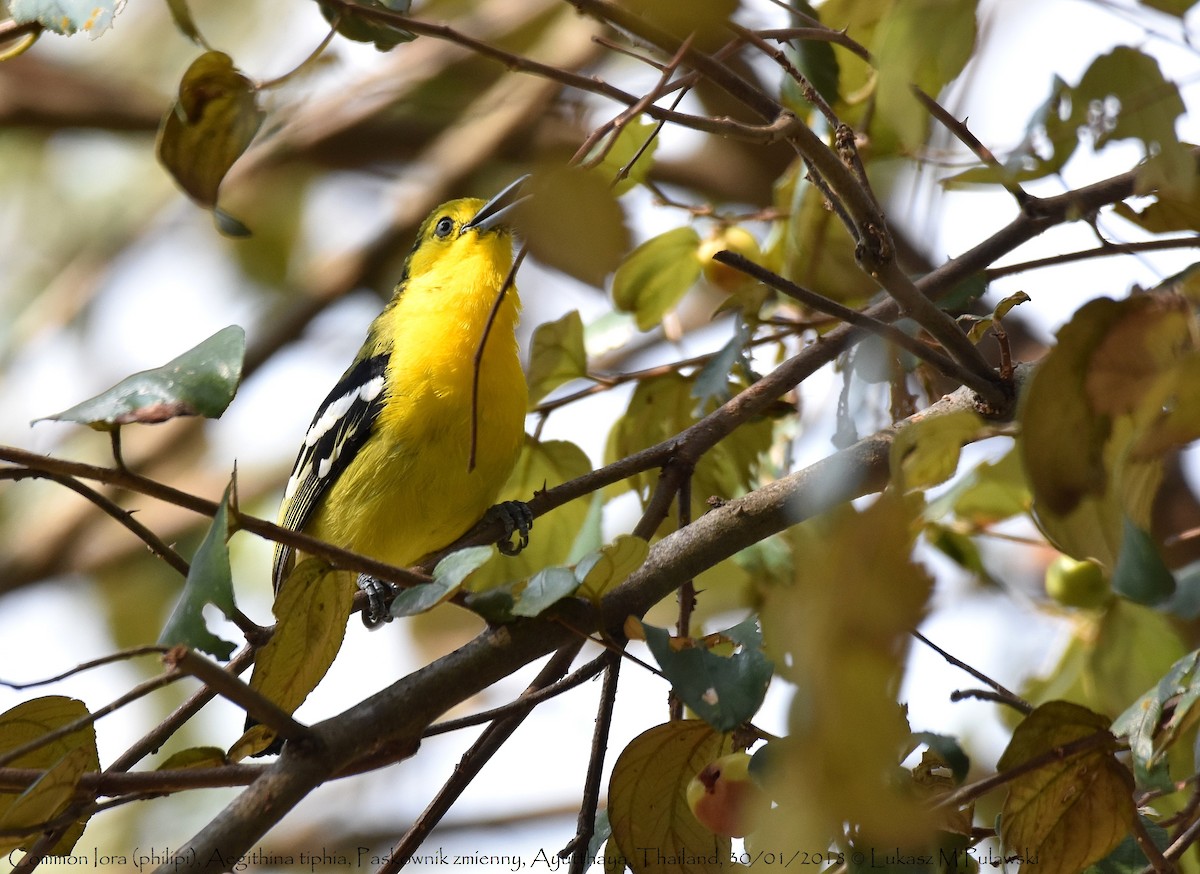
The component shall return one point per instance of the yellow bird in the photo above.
(385, 467)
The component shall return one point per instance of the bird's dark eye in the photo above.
(444, 226)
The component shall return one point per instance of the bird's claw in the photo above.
(517, 518)
(379, 596)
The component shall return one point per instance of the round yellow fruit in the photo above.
(1073, 583)
(724, 798)
(735, 239)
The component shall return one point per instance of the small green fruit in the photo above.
(724, 798)
(1074, 583)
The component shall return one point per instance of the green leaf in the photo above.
(724, 691)
(814, 248)
(662, 407)
(311, 609)
(384, 36)
(67, 16)
(959, 548)
(181, 14)
(1111, 659)
(647, 799)
(986, 494)
(448, 577)
(65, 757)
(904, 54)
(1180, 689)
(209, 126)
(654, 277)
(1073, 810)
(573, 223)
(712, 382)
(1128, 857)
(556, 355)
(1147, 104)
(629, 140)
(1185, 603)
(209, 581)
(544, 588)
(200, 382)
(925, 452)
(1140, 574)
(542, 464)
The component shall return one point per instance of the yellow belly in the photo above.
(410, 491)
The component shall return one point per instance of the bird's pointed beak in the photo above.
(495, 211)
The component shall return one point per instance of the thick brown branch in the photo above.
(396, 717)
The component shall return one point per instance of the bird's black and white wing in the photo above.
(342, 425)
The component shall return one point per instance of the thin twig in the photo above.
(139, 691)
(1011, 698)
(821, 34)
(229, 687)
(343, 559)
(1105, 251)
(966, 794)
(858, 319)
(113, 509)
(162, 732)
(122, 655)
(480, 752)
(960, 130)
(590, 801)
(686, 596)
(1158, 862)
(477, 363)
(576, 678)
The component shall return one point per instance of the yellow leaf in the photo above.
(633, 140)
(660, 408)
(925, 452)
(195, 757)
(1151, 333)
(211, 123)
(542, 464)
(647, 800)
(45, 799)
(556, 355)
(1062, 437)
(1087, 400)
(654, 276)
(255, 739)
(1171, 410)
(842, 639)
(1071, 810)
(611, 566)
(64, 756)
(311, 610)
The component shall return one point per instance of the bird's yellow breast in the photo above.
(412, 489)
